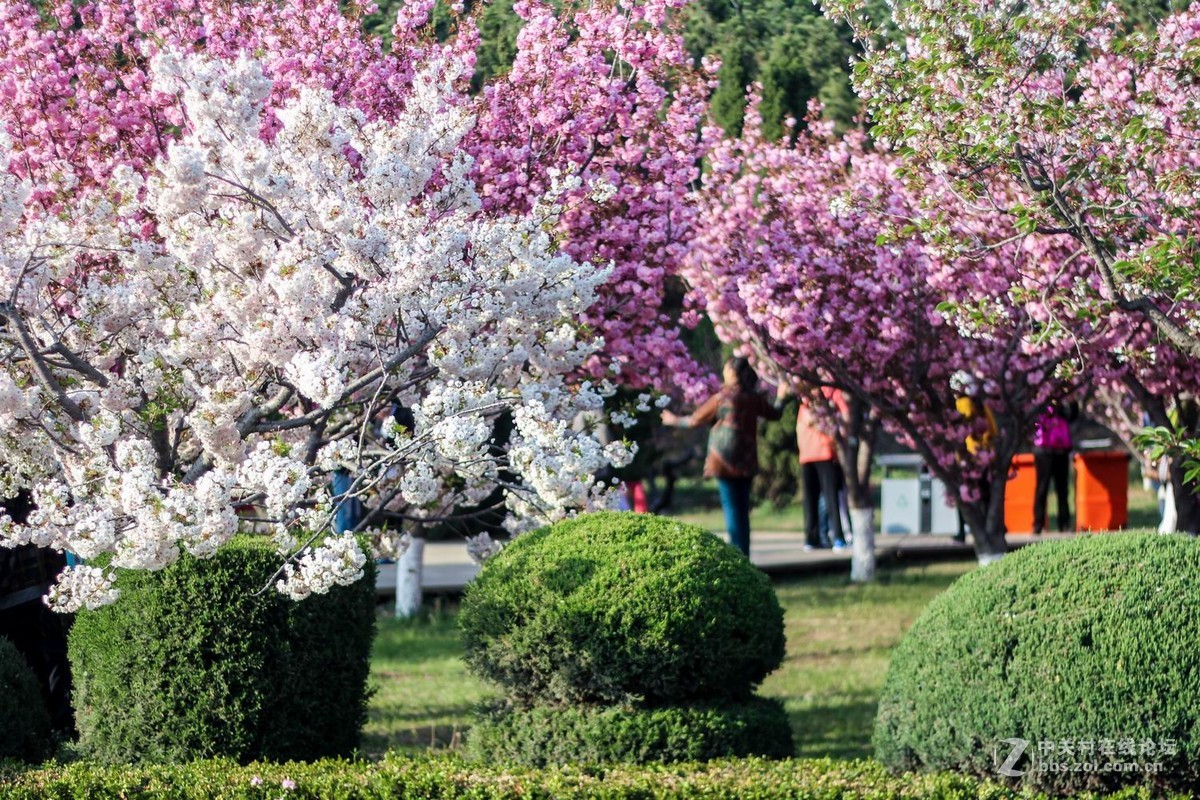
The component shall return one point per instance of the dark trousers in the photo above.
(735, 500)
(1051, 465)
(40, 635)
(820, 479)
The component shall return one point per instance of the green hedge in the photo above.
(1088, 643)
(442, 778)
(24, 720)
(196, 661)
(625, 609)
(610, 734)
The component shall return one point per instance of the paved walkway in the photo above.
(448, 568)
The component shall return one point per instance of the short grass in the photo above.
(423, 692)
(840, 637)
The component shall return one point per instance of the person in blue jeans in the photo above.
(823, 518)
(732, 457)
(349, 509)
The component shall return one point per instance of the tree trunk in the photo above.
(856, 452)
(987, 532)
(1186, 508)
(408, 579)
(1169, 521)
(992, 546)
(987, 522)
(1187, 504)
(1187, 515)
(862, 558)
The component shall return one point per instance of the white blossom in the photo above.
(482, 546)
(338, 561)
(82, 587)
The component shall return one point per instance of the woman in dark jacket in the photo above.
(732, 457)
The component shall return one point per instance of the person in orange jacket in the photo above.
(820, 474)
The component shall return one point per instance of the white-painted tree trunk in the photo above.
(408, 579)
(862, 558)
(1170, 515)
(989, 558)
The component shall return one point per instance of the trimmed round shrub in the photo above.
(622, 608)
(24, 720)
(197, 661)
(1088, 650)
(543, 735)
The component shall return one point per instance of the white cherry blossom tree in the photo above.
(225, 332)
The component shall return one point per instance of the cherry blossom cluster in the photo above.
(339, 562)
(608, 93)
(300, 288)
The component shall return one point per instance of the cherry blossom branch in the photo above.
(38, 364)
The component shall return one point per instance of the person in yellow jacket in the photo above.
(972, 409)
(983, 430)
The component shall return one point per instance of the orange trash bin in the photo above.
(1018, 494)
(1101, 490)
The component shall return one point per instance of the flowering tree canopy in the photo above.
(614, 99)
(1096, 127)
(812, 258)
(606, 92)
(226, 273)
(1095, 123)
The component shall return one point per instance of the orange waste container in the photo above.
(1101, 490)
(1018, 494)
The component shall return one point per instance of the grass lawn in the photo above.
(423, 692)
(840, 639)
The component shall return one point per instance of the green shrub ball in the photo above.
(622, 608)
(1092, 640)
(24, 720)
(540, 736)
(197, 661)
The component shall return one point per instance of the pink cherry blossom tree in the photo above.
(608, 92)
(814, 257)
(1095, 124)
(605, 91)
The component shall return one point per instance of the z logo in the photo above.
(1018, 750)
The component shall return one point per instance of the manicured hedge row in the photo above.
(441, 778)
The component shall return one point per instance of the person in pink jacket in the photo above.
(1052, 462)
